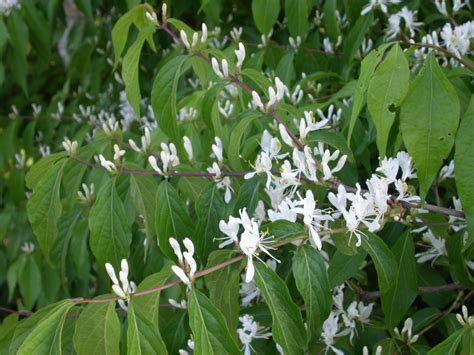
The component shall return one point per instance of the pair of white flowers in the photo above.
(121, 286)
(169, 159)
(187, 264)
(251, 241)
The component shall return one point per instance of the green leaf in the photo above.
(97, 330)
(286, 68)
(143, 190)
(150, 304)
(449, 345)
(172, 218)
(296, 13)
(464, 162)
(236, 136)
(29, 281)
(163, 97)
(384, 261)
(18, 32)
(287, 329)
(330, 21)
(429, 119)
(342, 267)
(356, 35)
(142, 336)
(387, 89)
(367, 69)
(41, 168)
(265, 14)
(45, 338)
(223, 286)
(130, 69)
(110, 233)
(85, 6)
(210, 209)
(457, 261)
(247, 196)
(468, 342)
(44, 208)
(312, 282)
(397, 301)
(211, 334)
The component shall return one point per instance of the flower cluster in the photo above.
(127, 288)
(169, 159)
(187, 264)
(249, 331)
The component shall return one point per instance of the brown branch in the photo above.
(442, 50)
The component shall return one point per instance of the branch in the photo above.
(371, 295)
(444, 51)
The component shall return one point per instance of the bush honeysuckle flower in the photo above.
(222, 71)
(240, 54)
(223, 182)
(382, 4)
(263, 165)
(251, 242)
(88, 194)
(249, 331)
(406, 334)
(313, 218)
(108, 165)
(465, 319)
(169, 158)
(188, 147)
(188, 265)
(218, 150)
(127, 288)
(436, 248)
(146, 143)
(28, 248)
(70, 146)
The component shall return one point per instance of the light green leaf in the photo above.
(44, 208)
(312, 282)
(265, 13)
(150, 304)
(384, 261)
(296, 13)
(45, 338)
(429, 119)
(172, 218)
(142, 336)
(29, 281)
(163, 97)
(287, 329)
(286, 68)
(449, 345)
(143, 190)
(397, 301)
(130, 69)
(41, 168)
(387, 89)
(97, 330)
(367, 69)
(223, 286)
(110, 235)
(210, 209)
(464, 162)
(211, 334)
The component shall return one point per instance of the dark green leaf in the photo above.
(265, 13)
(342, 267)
(448, 346)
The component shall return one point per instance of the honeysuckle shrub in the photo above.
(218, 177)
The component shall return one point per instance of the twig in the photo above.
(427, 289)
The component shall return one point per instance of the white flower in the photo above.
(286, 211)
(406, 333)
(257, 101)
(28, 248)
(70, 147)
(436, 248)
(394, 22)
(224, 73)
(284, 135)
(188, 265)
(378, 189)
(331, 331)
(312, 217)
(188, 147)
(457, 223)
(181, 305)
(88, 194)
(145, 140)
(250, 330)
(118, 153)
(295, 43)
(127, 288)
(108, 165)
(204, 33)
(405, 163)
(332, 116)
(465, 319)
(297, 95)
(169, 158)
(236, 33)
(263, 165)
(240, 54)
(457, 40)
(217, 149)
(378, 3)
(326, 158)
(230, 229)
(6, 6)
(447, 171)
(110, 126)
(389, 168)
(227, 109)
(403, 195)
(271, 145)
(251, 242)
